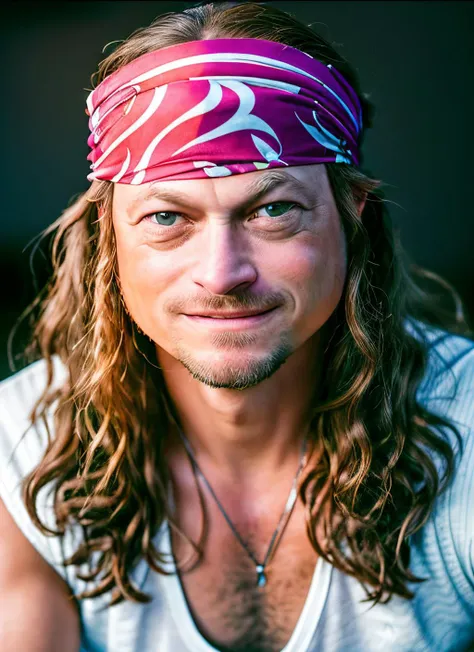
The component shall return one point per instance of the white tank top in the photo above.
(440, 618)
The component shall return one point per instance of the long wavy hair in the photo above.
(375, 481)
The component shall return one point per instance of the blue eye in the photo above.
(271, 207)
(163, 218)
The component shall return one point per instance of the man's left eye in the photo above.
(278, 207)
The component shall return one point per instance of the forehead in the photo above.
(306, 179)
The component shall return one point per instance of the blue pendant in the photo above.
(261, 577)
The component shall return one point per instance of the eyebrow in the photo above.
(255, 191)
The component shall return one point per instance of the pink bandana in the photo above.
(218, 107)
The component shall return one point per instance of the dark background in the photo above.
(414, 58)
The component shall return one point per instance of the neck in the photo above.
(251, 435)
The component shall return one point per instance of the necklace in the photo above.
(282, 523)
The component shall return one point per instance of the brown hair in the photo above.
(375, 483)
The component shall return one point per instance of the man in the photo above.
(235, 413)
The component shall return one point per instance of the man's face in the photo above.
(195, 268)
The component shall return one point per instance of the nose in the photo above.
(224, 259)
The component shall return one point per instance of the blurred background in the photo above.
(414, 59)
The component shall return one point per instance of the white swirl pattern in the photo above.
(274, 107)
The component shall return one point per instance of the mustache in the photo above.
(243, 300)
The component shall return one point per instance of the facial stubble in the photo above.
(248, 372)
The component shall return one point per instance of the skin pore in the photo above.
(241, 386)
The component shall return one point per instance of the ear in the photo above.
(360, 203)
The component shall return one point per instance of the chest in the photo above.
(228, 607)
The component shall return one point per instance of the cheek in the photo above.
(144, 277)
(317, 268)
(316, 275)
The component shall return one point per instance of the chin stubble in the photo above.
(248, 374)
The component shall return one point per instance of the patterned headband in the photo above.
(219, 107)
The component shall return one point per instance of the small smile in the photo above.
(230, 320)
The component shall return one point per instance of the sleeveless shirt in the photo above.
(440, 618)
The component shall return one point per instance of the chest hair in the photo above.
(230, 611)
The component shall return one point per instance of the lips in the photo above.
(230, 315)
(229, 321)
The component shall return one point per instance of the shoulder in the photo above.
(21, 444)
(449, 376)
(23, 387)
(22, 447)
(447, 390)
